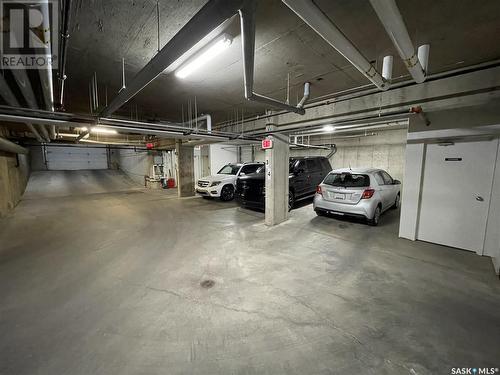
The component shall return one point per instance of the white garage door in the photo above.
(456, 194)
(75, 158)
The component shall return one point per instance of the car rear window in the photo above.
(347, 180)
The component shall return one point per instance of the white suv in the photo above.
(222, 185)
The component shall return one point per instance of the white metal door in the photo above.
(76, 158)
(456, 193)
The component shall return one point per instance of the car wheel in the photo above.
(376, 217)
(291, 200)
(227, 193)
(320, 213)
(397, 202)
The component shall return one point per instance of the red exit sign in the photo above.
(267, 144)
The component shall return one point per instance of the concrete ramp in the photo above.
(49, 184)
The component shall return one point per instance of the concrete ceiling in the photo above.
(460, 33)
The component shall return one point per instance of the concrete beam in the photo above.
(474, 88)
(185, 169)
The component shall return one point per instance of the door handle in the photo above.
(479, 198)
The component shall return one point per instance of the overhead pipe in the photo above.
(65, 34)
(66, 119)
(207, 118)
(247, 22)
(8, 146)
(365, 90)
(390, 16)
(27, 90)
(46, 74)
(309, 12)
(318, 123)
(208, 18)
(11, 100)
(370, 125)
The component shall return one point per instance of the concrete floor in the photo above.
(109, 283)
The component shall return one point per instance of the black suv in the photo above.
(306, 173)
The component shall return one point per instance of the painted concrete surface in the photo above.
(110, 283)
(51, 184)
(14, 174)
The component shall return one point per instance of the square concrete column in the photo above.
(277, 180)
(185, 169)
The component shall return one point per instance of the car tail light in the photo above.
(318, 190)
(368, 193)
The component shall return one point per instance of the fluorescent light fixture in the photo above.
(99, 130)
(328, 128)
(208, 54)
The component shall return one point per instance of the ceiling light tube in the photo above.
(101, 130)
(216, 48)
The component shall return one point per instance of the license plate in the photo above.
(339, 196)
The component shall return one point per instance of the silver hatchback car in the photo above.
(360, 192)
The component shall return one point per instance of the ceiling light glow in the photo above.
(99, 130)
(211, 52)
(328, 128)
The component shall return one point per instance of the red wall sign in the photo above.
(149, 146)
(267, 144)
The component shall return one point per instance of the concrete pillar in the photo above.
(277, 179)
(185, 169)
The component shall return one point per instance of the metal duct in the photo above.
(8, 146)
(247, 21)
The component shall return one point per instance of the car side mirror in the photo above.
(396, 182)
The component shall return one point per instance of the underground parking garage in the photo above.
(250, 187)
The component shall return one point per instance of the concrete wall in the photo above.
(135, 164)
(220, 155)
(14, 175)
(37, 160)
(384, 150)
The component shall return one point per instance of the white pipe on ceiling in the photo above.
(8, 146)
(390, 16)
(323, 26)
